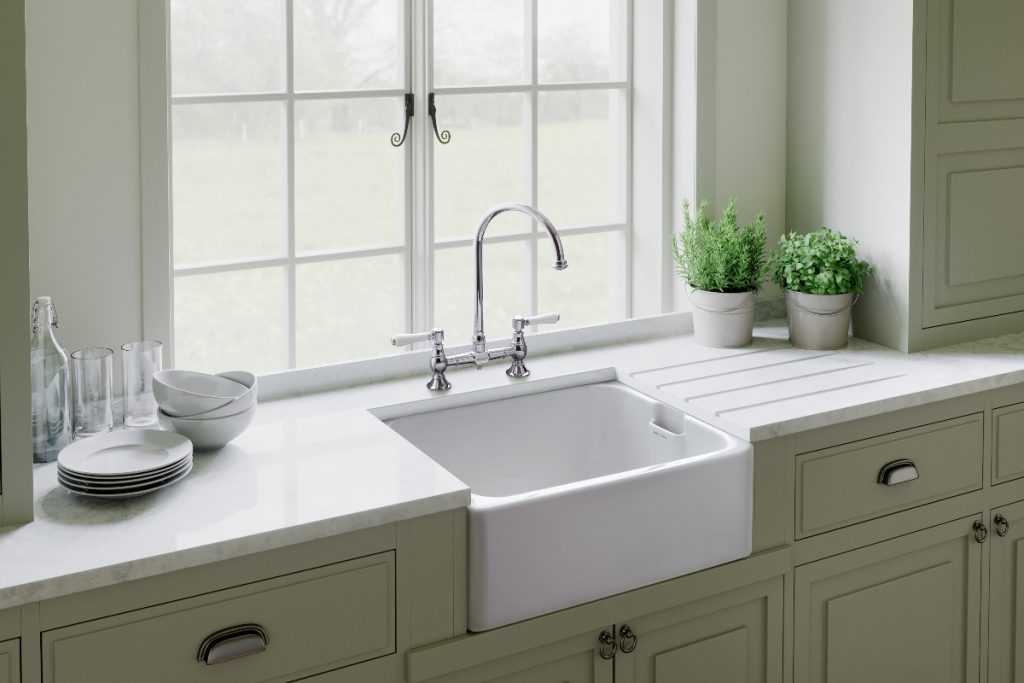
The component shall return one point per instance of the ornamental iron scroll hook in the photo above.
(410, 111)
(444, 137)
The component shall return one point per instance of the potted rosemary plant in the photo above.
(822, 277)
(724, 265)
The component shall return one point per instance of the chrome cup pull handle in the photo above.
(232, 643)
(897, 472)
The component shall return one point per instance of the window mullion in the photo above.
(421, 245)
(531, 51)
(290, 295)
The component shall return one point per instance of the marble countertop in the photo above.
(772, 389)
(319, 465)
(291, 477)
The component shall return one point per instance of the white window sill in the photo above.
(303, 381)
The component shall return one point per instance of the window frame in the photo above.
(649, 169)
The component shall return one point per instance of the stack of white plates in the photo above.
(124, 464)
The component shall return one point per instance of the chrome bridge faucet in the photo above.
(479, 354)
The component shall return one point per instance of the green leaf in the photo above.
(819, 262)
(721, 256)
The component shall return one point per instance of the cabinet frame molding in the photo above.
(15, 391)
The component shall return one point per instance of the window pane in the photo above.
(349, 179)
(231, 321)
(506, 289)
(347, 44)
(348, 309)
(479, 42)
(483, 165)
(581, 40)
(229, 181)
(225, 46)
(592, 289)
(582, 157)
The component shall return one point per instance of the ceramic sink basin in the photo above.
(584, 492)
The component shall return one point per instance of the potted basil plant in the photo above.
(724, 265)
(822, 277)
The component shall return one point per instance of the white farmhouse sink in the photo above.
(585, 492)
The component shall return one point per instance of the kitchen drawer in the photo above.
(314, 621)
(1008, 462)
(10, 666)
(839, 486)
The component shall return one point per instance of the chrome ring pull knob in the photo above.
(1002, 525)
(608, 645)
(627, 639)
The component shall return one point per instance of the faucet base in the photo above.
(518, 369)
(439, 382)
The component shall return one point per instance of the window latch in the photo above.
(444, 137)
(410, 110)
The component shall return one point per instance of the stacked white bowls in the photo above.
(210, 410)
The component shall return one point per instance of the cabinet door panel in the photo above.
(974, 52)
(10, 666)
(573, 660)
(734, 637)
(576, 668)
(973, 236)
(903, 610)
(1006, 599)
(1008, 440)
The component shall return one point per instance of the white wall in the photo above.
(747, 120)
(83, 167)
(849, 142)
(750, 128)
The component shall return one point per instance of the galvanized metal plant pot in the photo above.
(722, 319)
(819, 321)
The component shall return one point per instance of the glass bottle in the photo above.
(51, 412)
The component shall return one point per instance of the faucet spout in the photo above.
(560, 263)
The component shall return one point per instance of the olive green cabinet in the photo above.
(10, 668)
(582, 658)
(1008, 443)
(731, 638)
(579, 663)
(1006, 595)
(291, 626)
(907, 610)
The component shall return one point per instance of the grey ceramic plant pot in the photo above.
(722, 319)
(819, 321)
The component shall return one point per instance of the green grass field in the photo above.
(229, 204)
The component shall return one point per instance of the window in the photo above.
(301, 236)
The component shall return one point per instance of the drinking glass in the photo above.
(93, 373)
(139, 361)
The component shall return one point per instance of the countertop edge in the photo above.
(875, 408)
(59, 585)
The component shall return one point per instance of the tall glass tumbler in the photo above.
(139, 361)
(92, 370)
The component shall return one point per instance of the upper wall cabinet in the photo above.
(976, 60)
(15, 414)
(906, 130)
(974, 161)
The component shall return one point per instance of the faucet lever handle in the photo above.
(436, 336)
(519, 322)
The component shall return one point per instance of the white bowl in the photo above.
(181, 392)
(235, 406)
(208, 434)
